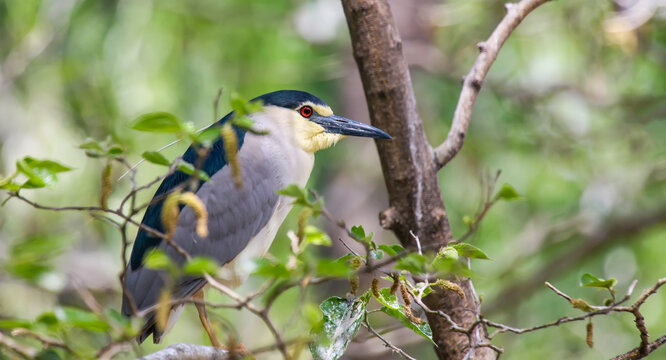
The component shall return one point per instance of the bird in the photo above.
(242, 221)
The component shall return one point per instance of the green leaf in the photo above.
(387, 299)
(334, 268)
(157, 260)
(470, 251)
(358, 233)
(156, 158)
(413, 263)
(448, 252)
(207, 135)
(199, 265)
(47, 165)
(422, 329)
(81, 319)
(391, 250)
(589, 280)
(189, 169)
(32, 258)
(157, 122)
(40, 173)
(314, 236)
(115, 150)
(268, 268)
(342, 319)
(508, 193)
(298, 193)
(15, 323)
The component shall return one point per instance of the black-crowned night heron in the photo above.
(242, 221)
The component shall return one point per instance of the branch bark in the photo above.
(189, 352)
(410, 165)
(407, 162)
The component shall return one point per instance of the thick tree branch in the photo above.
(474, 79)
(410, 174)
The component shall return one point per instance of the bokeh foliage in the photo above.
(573, 113)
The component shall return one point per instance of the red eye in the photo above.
(306, 111)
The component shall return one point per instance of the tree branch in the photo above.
(189, 352)
(474, 79)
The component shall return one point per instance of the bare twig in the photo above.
(386, 342)
(23, 351)
(472, 82)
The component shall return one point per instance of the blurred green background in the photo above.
(573, 113)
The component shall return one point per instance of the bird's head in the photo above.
(313, 123)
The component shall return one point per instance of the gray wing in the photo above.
(235, 216)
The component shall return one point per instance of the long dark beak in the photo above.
(340, 125)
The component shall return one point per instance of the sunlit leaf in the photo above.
(81, 319)
(589, 280)
(508, 193)
(413, 263)
(156, 158)
(387, 299)
(334, 268)
(157, 260)
(271, 269)
(157, 122)
(189, 169)
(422, 329)
(314, 236)
(391, 250)
(199, 265)
(470, 251)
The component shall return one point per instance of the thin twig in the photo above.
(386, 342)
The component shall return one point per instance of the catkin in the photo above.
(193, 201)
(375, 287)
(231, 149)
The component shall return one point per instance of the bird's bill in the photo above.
(340, 125)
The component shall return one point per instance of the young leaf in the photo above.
(267, 268)
(508, 193)
(412, 262)
(189, 169)
(157, 122)
(342, 319)
(40, 173)
(199, 265)
(156, 158)
(589, 280)
(314, 236)
(298, 193)
(157, 260)
(391, 250)
(334, 268)
(387, 299)
(422, 329)
(470, 251)
(81, 319)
